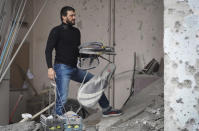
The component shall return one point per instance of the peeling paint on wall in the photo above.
(196, 77)
(179, 101)
(190, 69)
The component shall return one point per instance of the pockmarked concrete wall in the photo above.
(138, 27)
(181, 53)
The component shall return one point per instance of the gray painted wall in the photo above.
(4, 85)
(4, 102)
(181, 29)
(138, 27)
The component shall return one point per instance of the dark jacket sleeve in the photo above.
(51, 42)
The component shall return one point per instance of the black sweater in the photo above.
(65, 39)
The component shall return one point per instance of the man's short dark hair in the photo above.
(64, 10)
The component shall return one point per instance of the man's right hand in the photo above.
(51, 73)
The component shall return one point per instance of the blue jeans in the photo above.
(64, 74)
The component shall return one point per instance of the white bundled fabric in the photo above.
(90, 93)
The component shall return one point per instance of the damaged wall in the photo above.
(138, 27)
(181, 51)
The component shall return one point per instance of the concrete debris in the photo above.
(150, 120)
(144, 112)
(91, 128)
(153, 111)
(24, 126)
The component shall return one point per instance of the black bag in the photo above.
(151, 67)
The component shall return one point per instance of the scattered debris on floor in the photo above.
(24, 126)
(143, 112)
(151, 119)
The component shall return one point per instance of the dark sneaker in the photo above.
(112, 112)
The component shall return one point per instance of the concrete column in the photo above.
(4, 101)
(5, 83)
(181, 53)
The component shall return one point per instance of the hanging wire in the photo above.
(12, 45)
(80, 88)
(6, 30)
(12, 41)
(11, 37)
(10, 34)
(20, 45)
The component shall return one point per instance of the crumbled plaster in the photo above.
(174, 80)
(184, 84)
(196, 77)
(190, 69)
(179, 101)
(177, 24)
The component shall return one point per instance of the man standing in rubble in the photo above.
(65, 39)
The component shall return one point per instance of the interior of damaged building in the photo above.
(143, 54)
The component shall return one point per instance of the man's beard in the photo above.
(70, 22)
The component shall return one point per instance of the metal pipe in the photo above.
(20, 45)
(39, 113)
(112, 43)
(114, 48)
(109, 41)
(132, 89)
